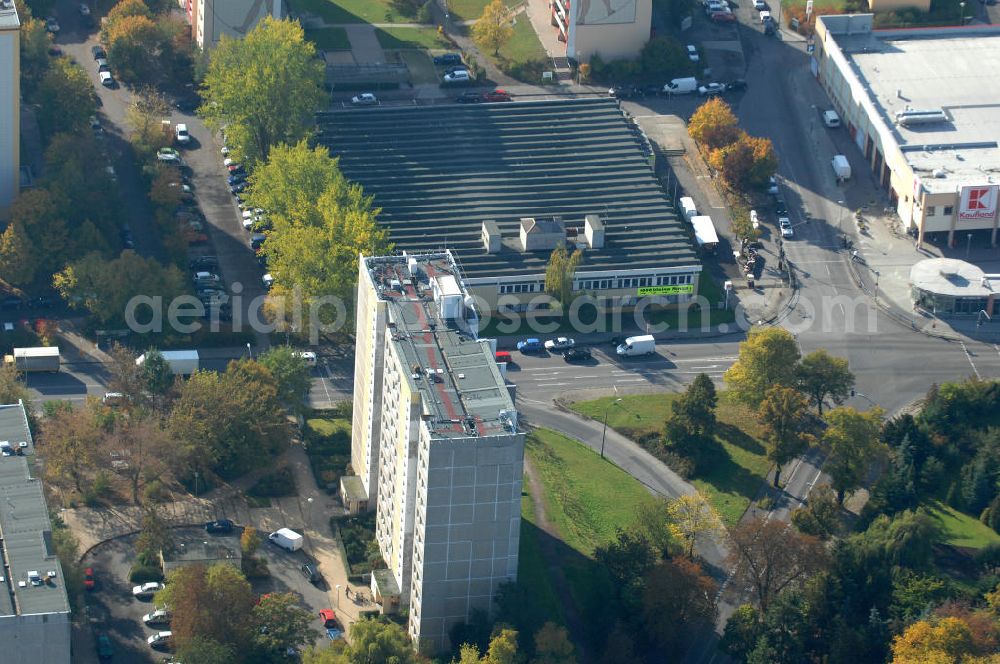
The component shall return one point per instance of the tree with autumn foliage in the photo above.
(692, 518)
(746, 163)
(713, 125)
(677, 598)
(924, 642)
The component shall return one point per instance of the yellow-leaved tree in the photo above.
(493, 29)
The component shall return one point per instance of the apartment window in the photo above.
(948, 209)
(930, 211)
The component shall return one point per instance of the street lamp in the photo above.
(840, 214)
(604, 433)
(968, 243)
(309, 510)
(338, 595)
(961, 19)
(250, 352)
(877, 275)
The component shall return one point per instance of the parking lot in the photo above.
(112, 610)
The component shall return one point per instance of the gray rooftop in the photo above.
(8, 16)
(438, 172)
(936, 69)
(25, 530)
(950, 276)
(463, 391)
(199, 547)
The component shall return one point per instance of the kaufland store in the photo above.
(923, 107)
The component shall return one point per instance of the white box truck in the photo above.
(688, 208)
(39, 358)
(644, 344)
(287, 539)
(181, 362)
(841, 167)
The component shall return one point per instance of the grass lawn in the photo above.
(962, 529)
(329, 39)
(350, 11)
(420, 66)
(327, 434)
(532, 572)
(734, 474)
(470, 10)
(403, 38)
(524, 45)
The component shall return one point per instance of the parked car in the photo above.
(711, 89)
(89, 582)
(206, 278)
(765, 16)
(469, 98)
(104, 648)
(205, 263)
(309, 571)
(738, 84)
(51, 25)
(460, 76)
(365, 99)
(530, 345)
(161, 640)
(98, 51)
(785, 224)
(107, 80)
(236, 179)
(692, 53)
(577, 355)
(181, 132)
(147, 590)
(759, 5)
(219, 527)
(102, 64)
(723, 17)
(497, 95)
(84, 9)
(772, 186)
(780, 209)
(328, 617)
(157, 618)
(559, 343)
(238, 188)
(446, 59)
(169, 156)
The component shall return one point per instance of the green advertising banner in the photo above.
(666, 290)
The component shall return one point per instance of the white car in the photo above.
(765, 16)
(225, 150)
(52, 25)
(365, 99)
(710, 89)
(267, 280)
(772, 186)
(229, 161)
(84, 9)
(307, 355)
(160, 639)
(107, 80)
(181, 132)
(759, 5)
(785, 224)
(692, 53)
(157, 617)
(559, 343)
(754, 219)
(458, 76)
(147, 589)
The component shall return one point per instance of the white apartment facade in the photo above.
(10, 106)
(444, 444)
(211, 19)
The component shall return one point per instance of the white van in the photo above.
(831, 119)
(307, 355)
(681, 86)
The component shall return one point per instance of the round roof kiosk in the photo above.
(950, 287)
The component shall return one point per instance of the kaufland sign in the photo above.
(978, 202)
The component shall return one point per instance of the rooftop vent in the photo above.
(491, 237)
(541, 234)
(594, 231)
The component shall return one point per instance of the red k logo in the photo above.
(979, 198)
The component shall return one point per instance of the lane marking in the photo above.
(968, 356)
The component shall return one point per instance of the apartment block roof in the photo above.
(33, 580)
(439, 172)
(434, 330)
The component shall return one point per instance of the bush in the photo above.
(278, 484)
(424, 15)
(144, 573)
(357, 534)
(255, 568)
(100, 489)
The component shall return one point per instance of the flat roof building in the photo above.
(438, 449)
(923, 108)
(34, 608)
(212, 19)
(10, 106)
(500, 185)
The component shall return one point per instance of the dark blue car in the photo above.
(236, 179)
(530, 346)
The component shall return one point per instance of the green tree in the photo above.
(291, 181)
(373, 641)
(626, 558)
(18, 260)
(145, 114)
(155, 536)
(770, 557)
(493, 29)
(80, 192)
(852, 444)
(820, 516)
(134, 47)
(560, 273)
(552, 646)
(211, 603)
(105, 287)
(11, 389)
(690, 427)
(713, 125)
(69, 439)
(741, 633)
(204, 650)
(280, 624)
(664, 58)
(502, 650)
(36, 211)
(677, 598)
(650, 522)
(784, 416)
(35, 44)
(65, 98)
(824, 377)
(766, 359)
(260, 104)
(156, 372)
(291, 373)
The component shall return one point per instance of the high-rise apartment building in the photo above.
(436, 445)
(10, 106)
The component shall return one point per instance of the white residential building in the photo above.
(210, 19)
(10, 106)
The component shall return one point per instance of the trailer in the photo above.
(704, 232)
(30, 360)
(181, 362)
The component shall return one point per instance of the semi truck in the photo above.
(286, 538)
(644, 344)
(29, 360)
(181, 362)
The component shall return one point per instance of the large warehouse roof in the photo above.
(439, 172)
(947, 69)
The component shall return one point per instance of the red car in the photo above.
(723, 17)
(88, 579)
(328, 618)
(497, 95)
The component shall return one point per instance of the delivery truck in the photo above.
(40, 358)
(688, 208)
(841, 167)
(181, 362)
(287, 539)
(644, 344)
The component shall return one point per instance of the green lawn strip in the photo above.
(420, 66)
(470, 10)
(417, 38)
(350, 11)
(524, 44)
(962, 529)
(329, 39)
(532, 570)
(732, 478)
(327, 434)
